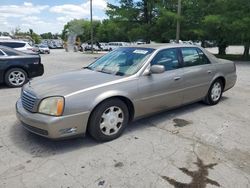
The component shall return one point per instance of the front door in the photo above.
(161, 91)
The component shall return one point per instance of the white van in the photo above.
(115, 45)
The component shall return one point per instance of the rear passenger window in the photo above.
(168, 58)
(193, 57)
(13, 44)
(10, 53)
(203, 57)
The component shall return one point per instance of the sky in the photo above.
(47, 15)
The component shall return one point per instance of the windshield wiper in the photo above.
(87, 68)
(119, 74)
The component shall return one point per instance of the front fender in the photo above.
(109, 94)
(89, 99)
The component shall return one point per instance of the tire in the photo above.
(16, 77)
(108, 120)
(214, 93)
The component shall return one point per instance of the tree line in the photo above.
(223, 21)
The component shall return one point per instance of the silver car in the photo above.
(123, 85)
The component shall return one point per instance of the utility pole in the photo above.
(178, 26)
(91, 26)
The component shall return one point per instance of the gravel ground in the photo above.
(193, 146)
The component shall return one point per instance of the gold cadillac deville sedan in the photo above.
(125, 84)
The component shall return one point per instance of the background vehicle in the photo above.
(115, 45)
(96, 47)
(141, 41)
(16, 67)
(104, 46)
(19, 45)
(5, 38)
(122, 85)
(44, 49)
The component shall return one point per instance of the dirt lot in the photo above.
(193, 146)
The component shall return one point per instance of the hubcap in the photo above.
(16, 78)
(111, 120)
(216, 91)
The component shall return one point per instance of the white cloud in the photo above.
(71, 11)
(29, 15)
(32, 20)
(21, 10)
(27, 4)
(98, 18)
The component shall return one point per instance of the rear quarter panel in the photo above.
(226, 69)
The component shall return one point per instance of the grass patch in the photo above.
(233, 57)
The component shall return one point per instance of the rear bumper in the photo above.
(37, 70)
(50, 126)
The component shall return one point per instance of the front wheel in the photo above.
(16, 77)
(215, 92)
(108, 120)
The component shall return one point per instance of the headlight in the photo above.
(52, 106)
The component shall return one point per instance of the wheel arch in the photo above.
(16, 66)
(128, 102)
(222, 78)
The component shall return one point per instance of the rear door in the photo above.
(162, 91)
(2, 65)
(197, 74)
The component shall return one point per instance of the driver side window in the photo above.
(168, 58)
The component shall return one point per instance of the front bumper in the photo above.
(50, 126)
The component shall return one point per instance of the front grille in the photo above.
(28, 101)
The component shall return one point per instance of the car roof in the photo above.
(157, 46)
(13, 50)
(17, 41)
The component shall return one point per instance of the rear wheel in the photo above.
(16, 77)
(215, 92)
(108, 120)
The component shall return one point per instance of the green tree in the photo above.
(48, 35)
(80, 28)
(239, 19)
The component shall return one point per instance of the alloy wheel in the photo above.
(111, 120)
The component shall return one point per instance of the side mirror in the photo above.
(157, 69)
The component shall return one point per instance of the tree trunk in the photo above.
(222, 45)
(246, 50)
(203, 44)
(145, 11)
(222, 50)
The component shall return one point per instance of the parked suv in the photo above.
(18, 45)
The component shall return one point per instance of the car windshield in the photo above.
(42, 46)
(122, 62)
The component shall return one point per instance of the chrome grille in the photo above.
(28, 101)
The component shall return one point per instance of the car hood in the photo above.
(67, 83)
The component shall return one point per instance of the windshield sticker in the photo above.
(140, 52)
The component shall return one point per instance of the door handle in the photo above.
(177, 78)
(209, 71)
